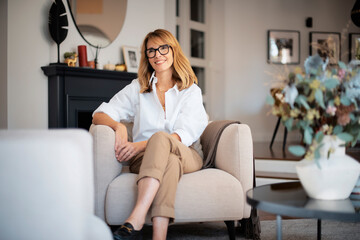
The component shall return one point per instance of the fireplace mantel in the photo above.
(74, 93)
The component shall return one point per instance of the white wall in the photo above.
(238, 79)
(246, 25)
(28, 50)
(29, 47)
(3, 65)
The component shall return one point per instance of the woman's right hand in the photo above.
(121, 139)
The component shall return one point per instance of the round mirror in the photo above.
(98, 21)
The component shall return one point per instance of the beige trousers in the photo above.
(165, 159)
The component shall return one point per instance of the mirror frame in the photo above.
(82, 36)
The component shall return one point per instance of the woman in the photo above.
(168, 114)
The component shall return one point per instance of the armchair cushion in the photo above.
(206, 195)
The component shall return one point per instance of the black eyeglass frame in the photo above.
(157, 49)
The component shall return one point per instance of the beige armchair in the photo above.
(213, 194)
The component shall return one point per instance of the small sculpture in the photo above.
(70, 58)
(58, 24)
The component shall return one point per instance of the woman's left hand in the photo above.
(130, 149)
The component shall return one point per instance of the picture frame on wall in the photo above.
(131, 58)
(354, 45)
(326, 44)
(283, 46)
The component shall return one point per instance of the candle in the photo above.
(82, 56)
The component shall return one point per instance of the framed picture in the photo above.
(354, 45)
(283, 47)
(132, 58)
(326, 44)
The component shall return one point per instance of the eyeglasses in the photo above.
(163, 50)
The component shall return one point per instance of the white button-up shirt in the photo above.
(185, 113)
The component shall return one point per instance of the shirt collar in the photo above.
(154, 81)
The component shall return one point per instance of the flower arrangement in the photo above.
(323, 100)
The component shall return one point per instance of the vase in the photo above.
(332, 178)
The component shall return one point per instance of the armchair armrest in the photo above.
(106, 167)
(235, 156)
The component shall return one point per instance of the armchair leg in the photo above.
(231, 229)
(250, 227)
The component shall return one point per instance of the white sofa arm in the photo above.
(235, 155)
(106, 167)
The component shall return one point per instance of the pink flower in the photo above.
(331, 110)
(343, 114)
(343, 119)
(342, 73)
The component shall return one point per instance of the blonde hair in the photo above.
(183, 73)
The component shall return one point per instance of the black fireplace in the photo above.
(74, 93)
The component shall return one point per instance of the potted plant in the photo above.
(323, 103)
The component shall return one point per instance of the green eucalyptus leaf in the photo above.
(301, 99)
(317, 163)
(310, 130)
(297, 150)
(342, 65)
(270, 100)
(288, 123)
(314, 71)
(352, 117)
(299, 76)
(337, 130)
(345, 136)
(331, 83)
(317, 153)
(307, 136)
(355, 140)
(345, 100)
(319, 98)
(319, 136)
(353, 143)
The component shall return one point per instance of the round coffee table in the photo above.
(290, 199)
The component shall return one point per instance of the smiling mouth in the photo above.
(159, 62)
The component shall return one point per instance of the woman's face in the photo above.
(161, 62)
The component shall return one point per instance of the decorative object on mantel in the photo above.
(323, 103)
(58, 24)
(120, 67)
(83, 62)
(132, 58)
(355, 13)
(91, 64)
(70, 58)
(98, 22)
(109, 66)
(96, 56)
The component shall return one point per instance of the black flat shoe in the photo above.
(127, 231)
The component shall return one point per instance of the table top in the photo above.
(290, 199)
(262, 150)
